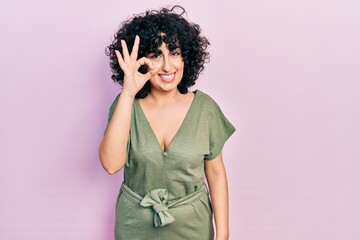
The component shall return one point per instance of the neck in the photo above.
(163, 98)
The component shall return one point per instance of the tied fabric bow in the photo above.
(157, 198)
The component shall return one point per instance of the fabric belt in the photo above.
(157, 199)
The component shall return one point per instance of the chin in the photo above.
(161, 85)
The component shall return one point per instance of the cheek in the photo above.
(156, 63)
(180, 66)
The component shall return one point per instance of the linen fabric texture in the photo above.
(178, 171)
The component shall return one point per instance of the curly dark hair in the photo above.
(178, 33)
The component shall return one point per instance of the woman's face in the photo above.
(171, 68)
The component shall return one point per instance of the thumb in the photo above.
(154, 71)
(151, 72)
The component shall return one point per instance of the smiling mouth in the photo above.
(167, 77)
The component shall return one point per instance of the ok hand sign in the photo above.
(133, 79)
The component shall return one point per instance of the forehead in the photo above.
(163, 44)
(160, 41)
(163, 48)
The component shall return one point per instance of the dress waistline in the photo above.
(157, 199)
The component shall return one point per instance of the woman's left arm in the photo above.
(216, 177)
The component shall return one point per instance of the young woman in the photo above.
(165, 136)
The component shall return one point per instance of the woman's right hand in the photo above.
(133, 79)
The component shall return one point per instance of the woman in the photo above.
(165, 136)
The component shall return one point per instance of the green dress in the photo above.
(163, 195)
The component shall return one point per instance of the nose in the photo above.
(166, 67)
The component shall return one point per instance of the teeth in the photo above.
(167, 76)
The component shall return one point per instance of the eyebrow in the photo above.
(156, 51)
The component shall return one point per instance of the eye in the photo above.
(154, 56)
(175, 53)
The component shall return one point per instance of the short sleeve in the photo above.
(111, 111)
(220, 129)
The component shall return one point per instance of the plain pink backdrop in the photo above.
(286, 74)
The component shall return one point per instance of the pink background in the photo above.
(286, 73)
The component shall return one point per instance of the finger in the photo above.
(135, 49)
(143, 61)
(120, 59)
(151, 73)
(125, 51)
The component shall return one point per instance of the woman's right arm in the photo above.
(113, 147)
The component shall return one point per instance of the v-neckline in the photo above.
(163, 151)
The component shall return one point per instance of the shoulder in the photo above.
(206, 101)
(113, 106)
(211, 109)
(114, 103)
(204, 97)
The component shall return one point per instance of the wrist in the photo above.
(128, 94)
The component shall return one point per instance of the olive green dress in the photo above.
(163, 195)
